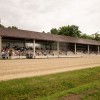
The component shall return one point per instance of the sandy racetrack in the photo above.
(10, 69)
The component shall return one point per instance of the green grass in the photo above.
(52, 87)
(86, 92)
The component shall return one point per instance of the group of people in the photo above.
(6, 54)
(28, 52)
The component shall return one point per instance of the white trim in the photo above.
(34, 49)
(98, 49)
(58, 48)
(75, 49)
(88, 49)
(0, 44)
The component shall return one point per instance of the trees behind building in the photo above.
(73, 30)
(12, 27)
(67, 31)
(70, 30)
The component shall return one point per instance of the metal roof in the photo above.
(16, 33)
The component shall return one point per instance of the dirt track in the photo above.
(10, 69)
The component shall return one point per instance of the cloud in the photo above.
(42, 15)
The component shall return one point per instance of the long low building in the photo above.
(44, 44)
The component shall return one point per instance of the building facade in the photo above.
(22, 42)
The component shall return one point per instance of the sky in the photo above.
(42, 15)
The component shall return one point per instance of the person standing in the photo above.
(10, 54)
(3, 54)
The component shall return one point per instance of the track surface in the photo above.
(11, 69)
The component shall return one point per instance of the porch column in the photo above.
(24, 43)
(0, 45)
(58, 48)
(34, 49)
(88, 49)
(75, 48)
(98, 49)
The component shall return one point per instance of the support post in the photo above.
(75, 49)
(98, 49)
(0, 46)
(24, 43)
(88, 49)
(58, 48)
(34, 49)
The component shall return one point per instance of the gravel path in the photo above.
(11, 69)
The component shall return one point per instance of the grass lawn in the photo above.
(85, 83)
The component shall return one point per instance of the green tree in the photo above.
(12, 27)
(54, 31)
(9, 27)
(97, 36)
(1, 26)
(85, 36)
(72, 30)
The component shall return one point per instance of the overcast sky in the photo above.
(42, 15)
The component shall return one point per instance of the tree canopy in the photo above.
(12, 27)
(97, 36)
(73, 30)
(67, 31)
(1, 26)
